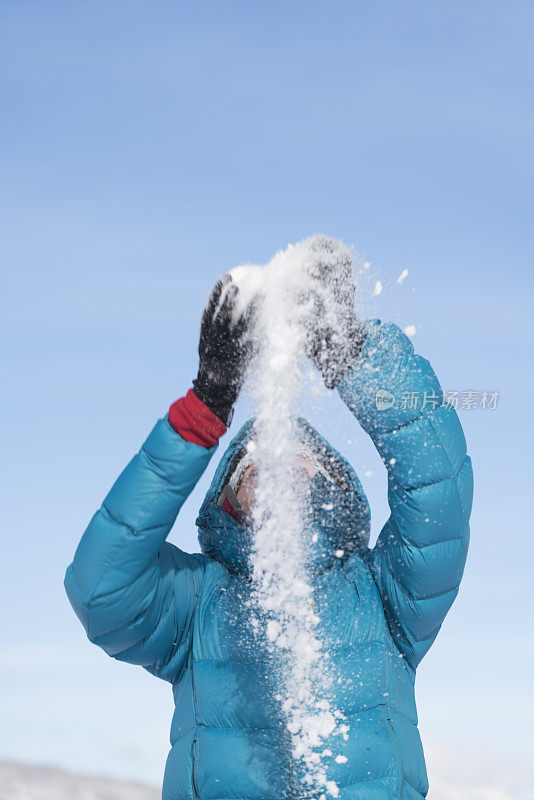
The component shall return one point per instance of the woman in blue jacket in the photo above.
(184, 617)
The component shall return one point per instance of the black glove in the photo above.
(333, 335)
(224, 350)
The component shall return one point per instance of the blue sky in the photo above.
(149, 147)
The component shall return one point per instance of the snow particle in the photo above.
(332, 788)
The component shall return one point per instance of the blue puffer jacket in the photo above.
(184, 616)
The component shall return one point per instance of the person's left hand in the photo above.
(333, 334)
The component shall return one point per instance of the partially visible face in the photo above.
(246, 492)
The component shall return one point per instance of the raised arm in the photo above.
(420, 554)
(135, 593)
(419, 558)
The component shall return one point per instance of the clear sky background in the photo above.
(147, 147)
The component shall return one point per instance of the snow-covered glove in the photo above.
(333, 334)
(224, 349)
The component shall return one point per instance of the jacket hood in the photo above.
(339, 513)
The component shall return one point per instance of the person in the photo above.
(186, 617)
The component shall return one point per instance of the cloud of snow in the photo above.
(283, 591)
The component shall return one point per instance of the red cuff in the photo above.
(194, 421)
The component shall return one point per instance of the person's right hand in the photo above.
(224, 349)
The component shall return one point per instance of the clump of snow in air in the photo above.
(410, 330)
(283, 591)
(378, 289)
(402, 277)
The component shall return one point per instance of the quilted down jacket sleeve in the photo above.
(420, 554)
(134, 592)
